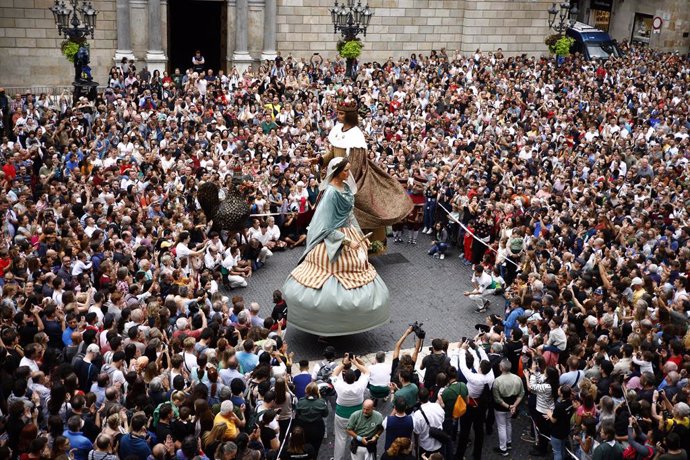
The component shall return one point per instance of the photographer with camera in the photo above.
(349, 391)
(407, 361)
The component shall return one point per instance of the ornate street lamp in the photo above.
(350, 19)
(75, 25)
(562, 16)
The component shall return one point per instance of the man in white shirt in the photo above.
(349, 398)
(379, 377)
(228, 263)
(483, 285)
(429, 414)
(476, 411)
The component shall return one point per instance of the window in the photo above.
(642, 28)
(601, 19)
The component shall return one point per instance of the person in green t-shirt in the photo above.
(451, 392)
(365, 426)
(407, 390)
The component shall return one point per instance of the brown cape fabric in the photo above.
(380, 199)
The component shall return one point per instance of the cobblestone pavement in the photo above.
(422, 288)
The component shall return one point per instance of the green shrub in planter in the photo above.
(350, 49)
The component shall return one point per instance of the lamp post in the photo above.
(75, 25)
(562, 16)
(350, 20)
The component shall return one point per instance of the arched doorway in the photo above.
(197, 24)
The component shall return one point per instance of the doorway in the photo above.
(197, 25)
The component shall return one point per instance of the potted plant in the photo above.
(350, 50)
(70, 47)
(377, 247)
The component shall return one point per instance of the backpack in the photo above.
(487, 397)
(253, 420)
(631, 454)
(109, 369)
(323, 379)
(437, 363)
(249, 398)
(459, 408)
(325, 371)
(515, 245)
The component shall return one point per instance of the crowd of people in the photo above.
(124, 333)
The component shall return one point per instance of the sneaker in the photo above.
(431, 230)
(414, 241)
(528, 438)
(480, 309)
(502, 453)
(424, 230)
(442, 256)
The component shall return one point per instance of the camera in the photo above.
(417, 329)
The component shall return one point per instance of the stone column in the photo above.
(230, 35)
(155, 57)
(269, 51)
(241, 57)
(124, 39)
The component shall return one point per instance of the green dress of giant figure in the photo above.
(335, 290)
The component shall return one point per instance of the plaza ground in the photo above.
(422, 288)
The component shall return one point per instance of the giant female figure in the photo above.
(381, 200)
(335, 290)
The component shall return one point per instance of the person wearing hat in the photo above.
(335, 290)
(86, 369)
(637, 285)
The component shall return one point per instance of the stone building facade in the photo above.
(162, 34)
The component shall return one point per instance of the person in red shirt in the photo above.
(5, 263)
(9, 169)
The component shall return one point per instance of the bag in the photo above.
(324, 372)
(631, 454)
(486, 398)
(460, 407)
(323, 379)
(253, 420)
(436, 433)
(437, 363)
(515, 245)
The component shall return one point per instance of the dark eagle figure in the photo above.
(231, 214)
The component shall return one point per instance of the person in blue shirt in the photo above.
(71, 323)
(80, 443)
(247, 358)
(302, 379)
(134, 443)
(516, 311)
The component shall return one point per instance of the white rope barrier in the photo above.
(507, 259)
